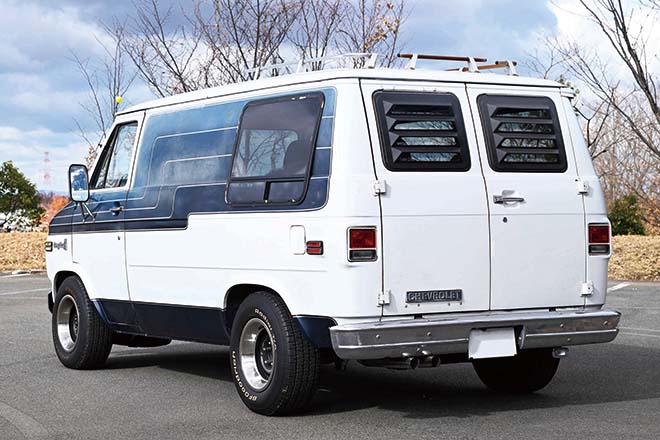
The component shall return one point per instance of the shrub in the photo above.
(626, 217)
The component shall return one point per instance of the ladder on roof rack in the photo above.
(507, 64)
(471, 61)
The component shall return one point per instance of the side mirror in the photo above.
(79, 183)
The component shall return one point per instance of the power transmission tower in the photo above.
(46, 179)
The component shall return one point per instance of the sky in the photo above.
(41, 88)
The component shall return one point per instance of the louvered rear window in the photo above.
(522, 133)
(421, 131)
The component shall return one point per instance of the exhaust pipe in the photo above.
(559, 352)
(429, 362)
(409, 363)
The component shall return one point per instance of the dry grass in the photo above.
(22, 250)
(634, 257)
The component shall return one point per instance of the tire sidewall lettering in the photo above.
(265, 319)
(239, 380)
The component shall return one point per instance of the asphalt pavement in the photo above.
(184, 390)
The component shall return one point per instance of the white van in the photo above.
(402, 218)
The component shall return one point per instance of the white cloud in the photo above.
(496, 29)
(40, 86)
(52, 101)
(26, 148)
(34, 34)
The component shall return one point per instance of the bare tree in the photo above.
(167, 55)
(243, 34)
(546, 61)
(596, 116)
(106, 80)
(317, 28)
(374, 26)
(613, 117)
(224, 39)
(621, 114)
(628, 31)
(624, 168)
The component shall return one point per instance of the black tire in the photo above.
(294, 362)
(89, 340)
(527, 372)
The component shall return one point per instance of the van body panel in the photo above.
(189, 267)
(197, 263)
(595, 206)
(537, 245)
(435, 223)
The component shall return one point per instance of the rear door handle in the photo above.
(115, 210)
(502, 199)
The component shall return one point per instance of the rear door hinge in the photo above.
(587, 288)
(379, 187)
(582, 186)
(383, 297)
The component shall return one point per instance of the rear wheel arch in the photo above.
(236, 295)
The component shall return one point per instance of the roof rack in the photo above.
(471, 61)
(413, 57)
(507, 64)
(368, 60)
(358, 60)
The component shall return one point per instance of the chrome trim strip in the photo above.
(449, 333)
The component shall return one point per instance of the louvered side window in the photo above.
(522, 134)
(421, 131)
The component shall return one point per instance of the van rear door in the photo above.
(434, 211)
(537, 222)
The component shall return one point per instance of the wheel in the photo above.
(81, 338)
(526, 372)
(274, 367)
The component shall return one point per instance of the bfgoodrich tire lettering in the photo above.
(283, 380)
(529, 371)
(81, 338)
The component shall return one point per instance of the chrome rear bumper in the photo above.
(449, 334)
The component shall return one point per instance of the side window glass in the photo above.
(98, 179)
(421, 131)
(522, 133)
(274, 149)
(262, 153)
(116, 161)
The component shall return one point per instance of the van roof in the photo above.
(328, 75)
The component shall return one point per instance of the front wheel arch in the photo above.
(59, 278)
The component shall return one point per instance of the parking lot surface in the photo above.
(184, 390)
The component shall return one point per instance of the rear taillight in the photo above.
(599, 239)
(362, 244)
